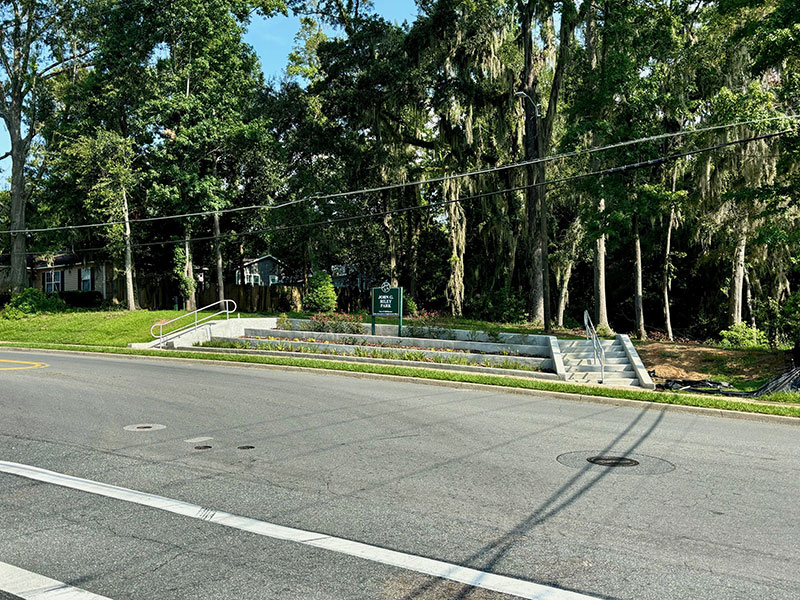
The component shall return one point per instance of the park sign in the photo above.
(387, 301)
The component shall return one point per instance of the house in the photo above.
(67, 272)
(266, 270)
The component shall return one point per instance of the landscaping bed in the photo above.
(385, 352)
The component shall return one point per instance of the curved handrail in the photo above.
(597, 347)
(226, 310)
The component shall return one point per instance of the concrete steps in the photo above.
(579, 363)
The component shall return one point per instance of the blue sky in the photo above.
(272, 40)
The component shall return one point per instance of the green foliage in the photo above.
(321, 294)
(284, 322)
(33, 301)
(743, 337)
(186, 284)
(504, 306)
(335, 323)
(81, 298)
(790, 319)
(409, 306)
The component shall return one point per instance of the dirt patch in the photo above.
(693, 361)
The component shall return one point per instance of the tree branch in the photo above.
(44, 72)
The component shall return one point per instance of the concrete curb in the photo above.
(622, 402)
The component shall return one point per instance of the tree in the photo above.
(105, 173)
(38, 41)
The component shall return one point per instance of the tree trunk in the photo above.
(218, 249)
(129, 295)
(737, 280)
(638, 306)
(667, 278)
(392, 245)
(458, 232)
(600, 305)
(191, 300)
(563, 292)
(19, 201)
(749, 300)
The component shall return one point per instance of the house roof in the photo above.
(252, 261)
(60, 260)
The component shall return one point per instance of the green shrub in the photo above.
(409, 306)
(321, 295)
(81, 298)
(503, 305)
(284, 322)
(743, 337)
(33, 301)
(335, 323)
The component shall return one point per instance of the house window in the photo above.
(86, 280)
(52, 281)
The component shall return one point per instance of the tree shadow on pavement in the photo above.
(490, 555)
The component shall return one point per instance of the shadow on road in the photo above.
(490, 555)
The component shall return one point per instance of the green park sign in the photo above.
(387, 302)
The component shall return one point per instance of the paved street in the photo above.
(257, 483)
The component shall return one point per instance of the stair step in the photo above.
(609, 369)
(609, 381)
(590, 354)
(610, 360)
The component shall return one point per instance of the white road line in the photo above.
(428, 566)
(197, 440)
(33, 586)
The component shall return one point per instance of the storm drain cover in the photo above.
(642, 464)
(144, 427)
(612, 461)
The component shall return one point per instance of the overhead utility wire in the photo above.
(406, 184)
(328, 222)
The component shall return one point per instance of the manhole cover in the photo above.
(245, 447)
(588, 460)
(612, 461)
(144, 427)
(202, 447)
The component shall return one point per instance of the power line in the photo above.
(405, 184)
(328, 222)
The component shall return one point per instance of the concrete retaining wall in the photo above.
(344, 349)
(543, 351)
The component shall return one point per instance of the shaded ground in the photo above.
(745, 369)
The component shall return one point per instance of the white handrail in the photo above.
(226, 310)
(597, 347)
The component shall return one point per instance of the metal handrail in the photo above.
(597, 347)
(226, 310)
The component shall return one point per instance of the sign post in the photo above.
(388, 302)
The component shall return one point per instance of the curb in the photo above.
(622, 402)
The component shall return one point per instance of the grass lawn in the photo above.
(93, 328)
(111, 331)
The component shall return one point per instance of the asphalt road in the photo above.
(493, 481)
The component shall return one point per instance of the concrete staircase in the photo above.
(580, 368)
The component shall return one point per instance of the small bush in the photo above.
(33, 301)
(321, 295)
(743, 337)
(335, 323)
(284, 322)
(409, 306)
(82, 299)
